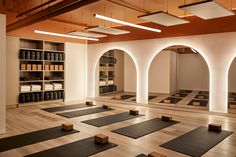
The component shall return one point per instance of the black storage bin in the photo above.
(41, 96)
(37, 55)
(32, 97)
(37, 97)
(32, 55)
(47, 56)
(62, 95)
(41, 55)
(52, 56)
(28, 54)
(56, 56)
(46, 96)
(51, 96)
(59, 95)
(22, 98)
(55, 95)
(22, 54)
(27, 98)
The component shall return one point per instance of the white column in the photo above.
(3, 73)
(142, 84)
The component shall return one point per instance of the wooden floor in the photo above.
(31, 118)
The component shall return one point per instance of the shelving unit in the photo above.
(41, 63)
(107, 73)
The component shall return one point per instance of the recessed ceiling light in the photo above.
(126, 23)
(87, 34)
(207, 9)
(107, 30)
(64, 35)
(163, 18)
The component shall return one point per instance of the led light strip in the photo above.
(126, 23)
(64, 35)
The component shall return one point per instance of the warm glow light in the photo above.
(126, 23)
(64, 35)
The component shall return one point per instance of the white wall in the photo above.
(218, 51)
(159, 73)
(3, 74)
(193, 72)
(173, 72)
(75, 71)
(12, 69)
(130, 78)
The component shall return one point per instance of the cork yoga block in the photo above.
(100, 138)
(167, 101)
(67, 126)
(195, 103)
(134, 112)
(155, 154)
(89, 103)
(166, 118)
(117, 97)
(201, 97)
(106, 107)
(214, 127)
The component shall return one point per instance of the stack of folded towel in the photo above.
(25, 88)
(35, 87)
(110, 82)
(57, 86)
(48, 87)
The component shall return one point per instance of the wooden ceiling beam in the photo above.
(50, 12)
(71, 22)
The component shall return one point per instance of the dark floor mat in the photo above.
(124, 97)
(204, 92)
(141, 155)
(202, 102)
(144, 128)
(22, 140)
(196, 142)
(185, 91)
(82, 148)
(173, 100)
(66, 107)
(201, 96)
(149, 98)
(103, 121)
(78, 113)
(180, 95)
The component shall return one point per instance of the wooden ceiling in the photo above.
(127, 10)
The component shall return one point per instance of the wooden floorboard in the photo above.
(30, 118)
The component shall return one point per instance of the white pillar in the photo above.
(142, 84)
(2, 73)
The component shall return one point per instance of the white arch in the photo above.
(187, 45)
(125, 51)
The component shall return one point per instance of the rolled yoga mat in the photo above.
(103, 121)
(196, 142)
(66, 107)
(82, 148)
(83, 112)
(144, 128)
(22, 140)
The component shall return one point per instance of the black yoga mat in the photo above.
(141, 155)
(185, 91)
(173, 100)
(99, 122)
(66, 107)
(82, 148)
(144, 128)
(196, 142)
(149, 98)
(204, 92)
(202, 102)
(205, 96)
(17, 141)
(83, 112)
(181, 94)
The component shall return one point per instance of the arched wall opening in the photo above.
(179, 77)
(232, 87)
(115, 77)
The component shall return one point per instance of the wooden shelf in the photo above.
(30, 45)
(40, 91)
(31, 81)
(31, 70)
(31, 60)
(30, 49)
